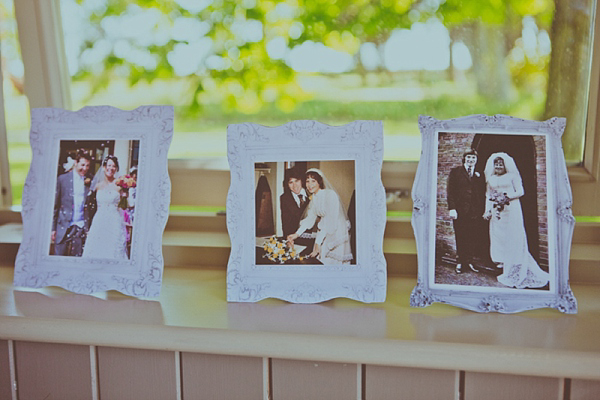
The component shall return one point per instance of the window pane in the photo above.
(224, 61)
(16, 107)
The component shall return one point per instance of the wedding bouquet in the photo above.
(277, 251)
(125, 182)
(499, 200)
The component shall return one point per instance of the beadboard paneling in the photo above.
(510, 387)
(4, 371)
(136, 374)
(211, 376)
(585, 389)
(52, 371)
(383, 383)
(301, 380)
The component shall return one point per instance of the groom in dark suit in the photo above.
(466, 203)
(293, 201)
(69, 225)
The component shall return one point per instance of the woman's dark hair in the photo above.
(113, 158)
(317, 178)
(503, 162)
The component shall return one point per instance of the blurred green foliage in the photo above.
(251, 79)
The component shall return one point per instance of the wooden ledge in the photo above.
(192, 315)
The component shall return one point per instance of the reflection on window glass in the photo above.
(16, 107)
(226, 61)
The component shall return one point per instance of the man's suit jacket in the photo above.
(466, 195)
(64, 204)
(291, 213)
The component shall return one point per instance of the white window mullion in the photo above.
(47, 81)
(5, 188)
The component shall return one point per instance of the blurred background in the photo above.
(220, 62)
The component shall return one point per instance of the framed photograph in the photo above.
(96, 200)
(492, 215)
(306, 212)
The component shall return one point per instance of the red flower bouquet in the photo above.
(125, 182)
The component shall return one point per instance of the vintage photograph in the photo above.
(305, 212)
(94, 202)
(492, 217)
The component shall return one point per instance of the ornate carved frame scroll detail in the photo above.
(141, 274)
(430, 237)
(360, 141)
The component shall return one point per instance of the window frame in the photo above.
(47, 85)
(5, 185)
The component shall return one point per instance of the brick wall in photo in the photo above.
(542, 184)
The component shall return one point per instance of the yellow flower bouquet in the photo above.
(278, 251)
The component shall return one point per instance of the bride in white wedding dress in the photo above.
(508, 240)
(107, 236)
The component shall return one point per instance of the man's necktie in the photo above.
(470, 171)
(302, 200)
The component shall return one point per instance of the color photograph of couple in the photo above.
(492, 211)
(305, 212)
(94, 204)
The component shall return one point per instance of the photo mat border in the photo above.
(141, 275)
(560, 219)
(305, 140)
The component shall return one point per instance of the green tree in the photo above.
(490, 29)
(237, 67)
(569, 71)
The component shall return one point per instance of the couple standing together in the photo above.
(500, 204)
(87, 221)
(310, 198)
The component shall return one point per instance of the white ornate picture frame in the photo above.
(517, 257)
(350, 158)
(137, 143)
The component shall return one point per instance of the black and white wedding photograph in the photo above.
(94, 202)
(305, 212)
(492, 216)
